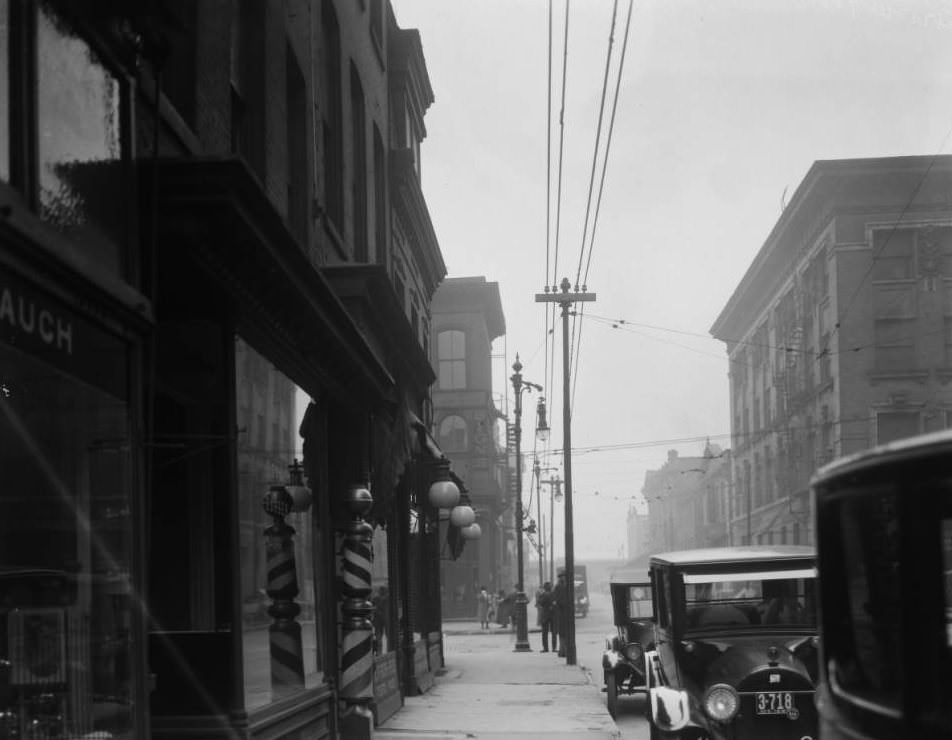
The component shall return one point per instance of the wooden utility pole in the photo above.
(566, 299)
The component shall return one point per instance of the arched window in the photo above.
(454, 435)
(451, 355)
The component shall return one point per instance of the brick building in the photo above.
(216, 265)
(838, 335)
(467, 317)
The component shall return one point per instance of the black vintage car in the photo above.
(736, 644)
(623, 662)
(884, 548)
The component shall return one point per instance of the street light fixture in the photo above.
(522, 628)
(542, 426)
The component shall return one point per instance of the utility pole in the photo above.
(536, 470)
(555, 494)
(566, 299)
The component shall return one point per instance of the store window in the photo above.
(4, 90)
(79, 141)
(66, 595)
(263, 461)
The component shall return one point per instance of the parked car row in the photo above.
(850, 640)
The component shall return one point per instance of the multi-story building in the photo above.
(838, 335)
(215, 270)
(466, 317)
(687, 501)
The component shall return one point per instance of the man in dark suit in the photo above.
(546, 605)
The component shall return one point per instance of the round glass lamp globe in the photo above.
(472, 532)
(444, 494)
(462, 516)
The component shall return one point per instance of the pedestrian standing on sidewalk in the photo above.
(546, 604)
(482, 607)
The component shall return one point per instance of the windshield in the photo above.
(754, 599)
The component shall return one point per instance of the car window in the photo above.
(639, 602)
(661, 584)
(869, 664)
(756, 599)
(947, 577)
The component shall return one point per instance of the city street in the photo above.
(590, 634)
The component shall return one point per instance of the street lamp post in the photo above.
(522, 628)
(566, 299)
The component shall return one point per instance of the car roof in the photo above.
(629, 575)
(739, 555)
(903, 450)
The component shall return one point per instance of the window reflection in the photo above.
(65, 590)
(79, 142)
(270, 410)
(947, 576)
(4, 90)
(871, 665)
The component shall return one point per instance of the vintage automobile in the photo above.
(884, 553)
(623, 662)
(736, 646)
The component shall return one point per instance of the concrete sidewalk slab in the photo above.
(488, 692)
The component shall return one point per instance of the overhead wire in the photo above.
(551, 278)
(573, 349)
(591, 238)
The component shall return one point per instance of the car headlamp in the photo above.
(634, 652)
(721, 702)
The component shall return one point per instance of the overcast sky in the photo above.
(723, 107)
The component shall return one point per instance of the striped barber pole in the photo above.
(356, 687)
(284, 633)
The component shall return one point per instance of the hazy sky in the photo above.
(723, 108)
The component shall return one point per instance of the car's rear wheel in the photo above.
(611, 692)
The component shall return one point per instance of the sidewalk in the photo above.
(490, 692)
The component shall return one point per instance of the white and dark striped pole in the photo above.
(357, 661)
(284, 633)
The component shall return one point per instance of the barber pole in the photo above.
(356, 687)
(287, 661)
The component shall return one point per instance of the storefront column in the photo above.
(356, 688)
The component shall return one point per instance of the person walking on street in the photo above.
(546, 605)
(482, 607)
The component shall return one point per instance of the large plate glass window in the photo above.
(270, 410)
(4, 90)
(66, 597)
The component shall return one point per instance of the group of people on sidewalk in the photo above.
(500, 608)
(552, 605)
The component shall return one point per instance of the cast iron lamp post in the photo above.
(522, 628)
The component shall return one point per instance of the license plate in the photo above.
(774, 702)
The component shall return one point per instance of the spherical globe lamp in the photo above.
(472, 532)
(444, 493)
(462, 515)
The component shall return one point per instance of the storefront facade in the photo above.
(187, 404)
